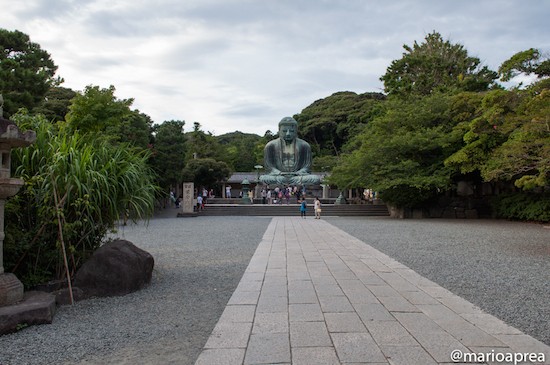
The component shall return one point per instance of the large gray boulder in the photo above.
(116, 268)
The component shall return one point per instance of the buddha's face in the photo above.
(287, 132)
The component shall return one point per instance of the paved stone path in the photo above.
(313, 294)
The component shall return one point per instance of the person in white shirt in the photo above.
(317, 208)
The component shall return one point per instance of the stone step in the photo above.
(35, 308)
(293, 209)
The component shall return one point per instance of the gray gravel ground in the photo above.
(198, 264)
(503, 267)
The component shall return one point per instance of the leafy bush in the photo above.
(523, 206)
(76, 189)
(406, 196)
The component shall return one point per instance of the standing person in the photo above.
(303, 208)
(287, 195)
(317, 208)
(199, 202)
(269, 197)
(264, 196)
(173, 198)
(276, 195)
(204, 195)
(228, 191)
(298, 194)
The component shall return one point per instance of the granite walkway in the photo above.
(313, 294)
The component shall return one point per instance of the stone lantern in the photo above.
(340, 199)
(11, 289)
(258, 188)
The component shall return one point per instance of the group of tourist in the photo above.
(203, 197)
(278, 195)
(174, 200)
(269, 196)
(316, 208)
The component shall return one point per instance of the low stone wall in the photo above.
(447, 207)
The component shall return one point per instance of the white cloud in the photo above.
(245, 64)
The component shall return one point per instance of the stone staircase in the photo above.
(294, 210)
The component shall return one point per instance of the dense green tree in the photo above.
(509, 140)
(324, 163)
(206, 172)
(452, 126)
(97, 110)
(202, 144)
(240, 150)
(329, 123)
(136, 128)
(401, 152)
(26, 71)
(260, 146)
(527, 62)
(75, 190)
(205, 162)
(436, 66)
(55, 104)
(100, 113)
(169, 150)
(489, 128)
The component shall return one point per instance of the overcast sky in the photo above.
(245, 64)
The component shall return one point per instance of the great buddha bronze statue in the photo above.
(288, 158)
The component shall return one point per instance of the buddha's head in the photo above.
(288, 129)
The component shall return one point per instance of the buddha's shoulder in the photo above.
(273, 142)
(301, 142)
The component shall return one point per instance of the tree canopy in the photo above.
(527, 62)
(329, 123)
(202, 144)
(26, 71)
(445, 120)
(97, 110)
(401, 152)
(205, 172)
(509, 140)
(56, 103)
(242, 151)
(169, 150)
(436, 65)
